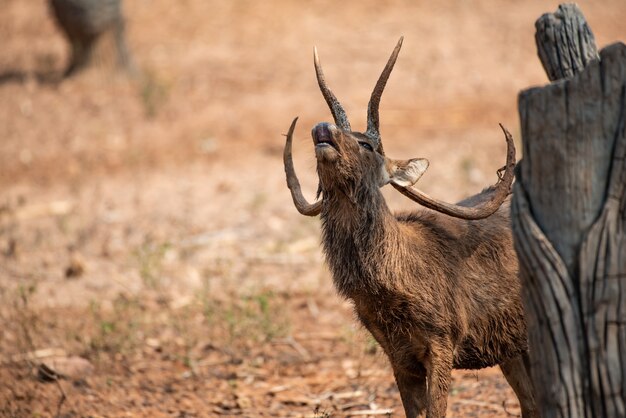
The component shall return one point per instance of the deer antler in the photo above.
(299, 200)
(339, 115)
(372, 108)
(484, 209)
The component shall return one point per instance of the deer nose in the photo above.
(322, 132)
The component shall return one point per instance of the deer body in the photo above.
(437, 292)
(430, 276)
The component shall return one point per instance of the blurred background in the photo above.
(151, 260)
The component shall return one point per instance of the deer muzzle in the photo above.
(325, 140)
(322, 134)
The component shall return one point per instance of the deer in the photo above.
(437, 288)
(84, 22)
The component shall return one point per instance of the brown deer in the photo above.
(437, 289)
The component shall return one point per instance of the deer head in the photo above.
(348, 161)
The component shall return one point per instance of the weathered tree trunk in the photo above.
(569, 221)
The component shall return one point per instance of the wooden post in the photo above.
(569, 221)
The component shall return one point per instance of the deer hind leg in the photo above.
(518, 377)
(82, 50)
(124, 58)
(439, 373)
(413, 392)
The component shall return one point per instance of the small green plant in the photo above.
(371, 345)
(266, 311)
(150, 259)
(258, 316)
(115, 330)
(208, 304)
(258, 200)
(154, 94)
(27, 319)
(467, 165)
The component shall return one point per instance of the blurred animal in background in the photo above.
(437, 292)
(84, 22)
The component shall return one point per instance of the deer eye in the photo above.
(366, 145)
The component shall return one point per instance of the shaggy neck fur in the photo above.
(357, 229)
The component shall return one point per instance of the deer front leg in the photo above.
(413, 392)
(519, 378)
(438, 375)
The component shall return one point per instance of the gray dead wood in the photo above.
(565, 43)
(569, 221)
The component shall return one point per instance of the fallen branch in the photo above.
(489, 405)
(366, 412)
(39, 210)
(35, 355)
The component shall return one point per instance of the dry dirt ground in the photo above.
(145, 225)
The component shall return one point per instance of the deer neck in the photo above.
(357, 228)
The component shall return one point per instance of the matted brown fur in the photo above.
(436, 292)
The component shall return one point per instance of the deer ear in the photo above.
(406, 173)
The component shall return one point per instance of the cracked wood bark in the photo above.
(569, 221)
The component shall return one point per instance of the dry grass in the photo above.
(145, 224)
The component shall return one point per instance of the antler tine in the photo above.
(299, 200)
(372, 108)
(484, 209)
(339, 115)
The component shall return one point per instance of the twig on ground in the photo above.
(471, 402)
(352, 405)
(511, 414)
(347, 395)
(369, 412)
(62, 400)
(51, 376)
(34, 355)
(39, 210)
(290, 341)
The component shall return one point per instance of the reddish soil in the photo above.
(145, 224)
